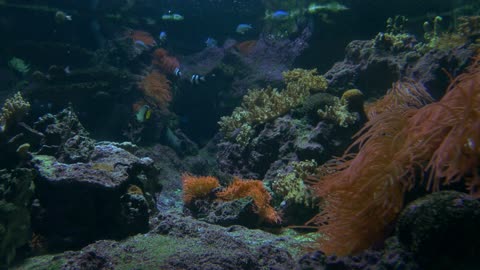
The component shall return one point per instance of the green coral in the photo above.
(395, 38)
(290, 185)
(339, 113)
(19, 65)
(14, 109)
(262, 105)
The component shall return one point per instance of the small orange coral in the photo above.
(157, 87)
(197, 187)
(246, 47)
(134, 189)
(145, 37)
(164, 61)
(251, 188)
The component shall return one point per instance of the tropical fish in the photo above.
(162, 36)
(330, 7)
(141, 44)
(243, 28)
(143, 114)
(196, 79)
(211, 43)
(177, 72)
(67, 70)
(172, 17)
(277, 15)
(61, 17)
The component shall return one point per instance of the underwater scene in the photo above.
(240, 134)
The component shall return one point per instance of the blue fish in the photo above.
(163, 35)
(140, 44)
(277, 15)
(243, 28)
(211, 43)
(280, 15)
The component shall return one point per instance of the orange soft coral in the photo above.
(157, 87)
(363, 195)
(365, 191)
(449, 130)
(165, 62)
(197, 187)
(251, 188)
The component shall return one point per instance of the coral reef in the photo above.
(262, 105)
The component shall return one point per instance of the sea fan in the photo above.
(157, 87)
(165, 62)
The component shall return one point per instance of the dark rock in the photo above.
(393, 257)
(84, 202)
(16, 193)
(441, 230)
(65, 136)
(279, 142)
(373, 68)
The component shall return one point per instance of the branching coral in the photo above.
(14, 109)
(290, 185)
(157, 87)
(339, 113)
(251, 188)
(365, 191)
(262, 105)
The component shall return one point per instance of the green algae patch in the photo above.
(45, 262)
(138, 252)
(44, 164)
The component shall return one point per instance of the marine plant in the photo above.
(262, 105)
(364, 190)
(156, 87)
(256, 190)
(14, 109)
